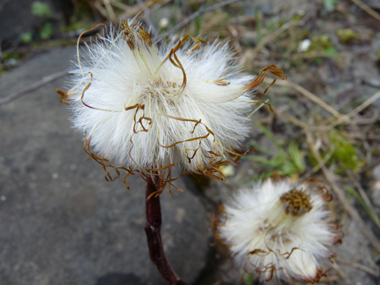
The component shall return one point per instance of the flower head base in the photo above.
(296, 202)
(279, 230)
(146, 108)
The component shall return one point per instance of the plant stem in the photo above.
(153, 234)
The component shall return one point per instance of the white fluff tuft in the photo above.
(267, 241)
(123, 75)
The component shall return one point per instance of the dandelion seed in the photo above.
(146, 108)
(280, 230)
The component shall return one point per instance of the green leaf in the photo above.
(267, 132)
(198, 25)
(297, 157)
(329, 52)
(320, 43)
(283, 162)
(26, 37)
(329, 5)
(364, 204)
(345, 35)
(259, 148)
(40, 9)
(272, 24)
(248, 280)
(46, 31)
(345, 152)
(261, 159)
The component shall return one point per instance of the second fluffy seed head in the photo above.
(280, 230)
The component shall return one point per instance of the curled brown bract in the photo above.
(131, 31)
(221, 82)
(317, 278)
(216, 222)
(176, 62)
(321, 187)
(64, 96)
(288, 254)
(338, 233)
(260, 78)
(259, 270)
(277, 177)
(105, 163)
(195, 47)
(200, 138)
(259, 252)
(163, 172)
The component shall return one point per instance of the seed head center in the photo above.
(296, 202)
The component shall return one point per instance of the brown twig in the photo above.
(308, 94)
(317, 167)
(339, 270)
(153, 233)
(331, 279)
(33, 87)
(147, 17)
(360, 267)
(336, 114)
(109, 10)
(101, 10)
(363, 195)
(361, 107)
(366, 8)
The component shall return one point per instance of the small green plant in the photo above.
(330, 5)
(198, 24)
(46, 31)
(341, 153)
(248, 279)
(320, 43)
(344, 152)
(346, 35)
(329, 52)
(41, 10)
(289, 163)
(26, 37)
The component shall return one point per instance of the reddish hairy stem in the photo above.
(153, 235)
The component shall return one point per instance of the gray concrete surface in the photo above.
(60, 221)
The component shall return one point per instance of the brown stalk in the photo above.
(153, 232)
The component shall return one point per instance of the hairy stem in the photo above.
(153, 235)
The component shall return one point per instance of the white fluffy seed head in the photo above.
(141, 109)
(280, 230)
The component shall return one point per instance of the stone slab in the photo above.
(60, 221)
